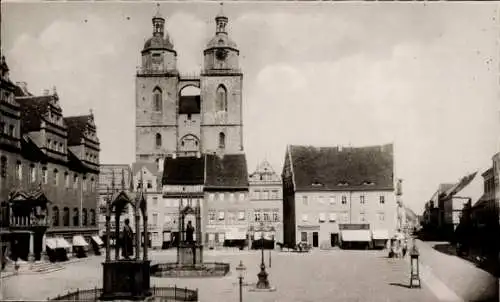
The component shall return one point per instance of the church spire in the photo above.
(158, 23)
(221, 21)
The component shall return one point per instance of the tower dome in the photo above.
(221, 38)
(160, 39)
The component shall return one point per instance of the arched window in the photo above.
(222, 140)
(221, 99)
(84, 217)
(66, 216)
(76, 215)
(3, 168)
(56, 181)
(158, 140)
(157, 99)
(55, 216)
(92, 217)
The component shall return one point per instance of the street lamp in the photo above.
(263, 283)
(414, 273)
(241, 272)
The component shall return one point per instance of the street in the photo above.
(316, 276)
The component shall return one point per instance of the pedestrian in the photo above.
(405, 248)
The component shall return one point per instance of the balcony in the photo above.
(155, 71)
(26, 222)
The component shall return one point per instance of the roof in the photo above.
(227, 171)
(158, 42)
(332, 168)
(32, 111)
(137, 166)
(189, 104)
(76, 128)
(485, 199)
(460, 185)
(221, 40)
(183, 170)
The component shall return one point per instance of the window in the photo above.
(32, 173)
(221, 102)
(222, 140)
(362, 199)
(241, 215)
(157, 99)
(276, 217)
(75, 181)
(155, 219)
(256, 194)
(211, 215)
(11, 130)
(221, 196)
(303, 236)
(274, 194)
(76, 220)
(333, 217)
(305, 201)
(55, 177)
(49, 144)
(344, 199)
(345, 217)
(150, 184)
(382, 199)
(242, 196)
(19, 170)
(221, 215)
(267, 217)
(321, 217)
(92, 184)
(44, 175)
(231, 196)
(257, 216)
(158, 140)
(155, 201)
(66, 216)
(265, 194)
(55, 216)
(211, 196)
(66, 179)
(92, 217)
(332, 200)
(84, 184)
(381, 216)
(304, 217)
(84, 217)
(3, 169)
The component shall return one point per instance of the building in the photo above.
(335, 196)
(190, 122)
(186, 114)
(49, 170)
(160, 214)
(431, 215)
(112, 179)
(266, 203)
(496, 177)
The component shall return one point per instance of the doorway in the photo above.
(334, 239)
(315, 239)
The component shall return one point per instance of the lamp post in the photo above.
(414, 273)
(263, 283)
(241, 271)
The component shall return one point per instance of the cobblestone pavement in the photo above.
(464, 278)
(316, 276)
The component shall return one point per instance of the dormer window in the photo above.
(317, 184)
(343, 184)
(368, 183)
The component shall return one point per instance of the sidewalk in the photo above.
(460, 276)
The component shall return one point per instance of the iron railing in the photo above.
(206, 266)
(164, 293)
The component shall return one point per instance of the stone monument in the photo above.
(125, 278)
(190, 249)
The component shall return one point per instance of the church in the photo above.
(192, 127)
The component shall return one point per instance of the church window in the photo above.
(3, 170)
(55, 216)
(158, 140)
(222, 140)
(66, 217)
(157, 99)
(76, 216)
(221, 102)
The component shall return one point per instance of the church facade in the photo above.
(170, 121)
(192, 128)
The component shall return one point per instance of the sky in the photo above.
(424, 76)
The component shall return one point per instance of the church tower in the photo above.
(221, 91)
(156, 96)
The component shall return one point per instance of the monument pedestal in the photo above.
(126, 279)
(190, 254)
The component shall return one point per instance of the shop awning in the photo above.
(79, 241)
(62, 243)
(236, 235)
(356, 235)
(380, 234)
(51, 243)
(97, 240)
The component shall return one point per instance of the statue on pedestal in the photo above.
(127, 244)
(189, 232)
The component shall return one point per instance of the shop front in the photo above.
(235, 237)
(380, 237)
(263, 236)
(355, 236)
